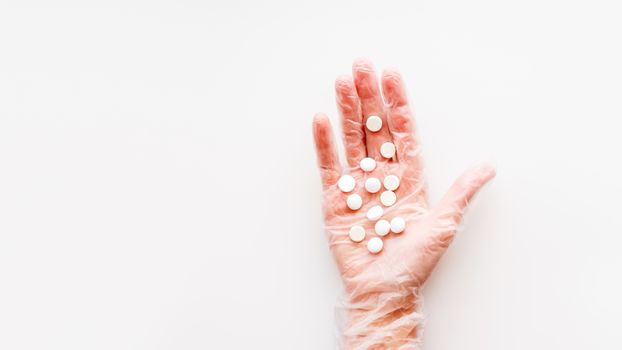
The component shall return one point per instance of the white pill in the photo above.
(391, 182)
(374, 123)
(354, 201)
(387, 150)
(357, 233)
(374, 213)
(372, 185)
(346, 183)
(375, 245)
(368, 164)
(388, 198)
(398, 225)
(382, 227)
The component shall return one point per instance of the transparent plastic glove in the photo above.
(382, 304)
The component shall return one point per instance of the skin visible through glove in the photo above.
(382, 289)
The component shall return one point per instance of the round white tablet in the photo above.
(382, 227)
(368, 164)
(374, 213)
(374, 245)
(374, 123)
(354, 201)
(372, 185)
(391, 182)
(387, 150)
(398, 225)
(357, 233)
(346, 183)
(388, 198)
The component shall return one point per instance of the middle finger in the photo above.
(368, 89)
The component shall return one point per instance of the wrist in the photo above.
(383, 320)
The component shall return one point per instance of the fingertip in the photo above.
(391, 77)
(393, 87)
(473, 180)
(321, 125)
(485, 171)
(345, 90)
(492, 172)
(362, 63)
(464, 188)
(362, 68)
(344, 82)
(366, 83)
(319, 119)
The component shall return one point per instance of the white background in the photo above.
(158, 187)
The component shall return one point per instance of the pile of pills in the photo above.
(347, 183)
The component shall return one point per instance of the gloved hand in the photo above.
(382, 302)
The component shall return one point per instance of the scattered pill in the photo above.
(346, 183)
(374, 123)
(368, 164)
(357, 233)
(388, 198)
(382, 227)
(354, 201)
(374, 213)
(391, 182)
(372, 185)
(398, 225)
(374, 245)
(387, 150)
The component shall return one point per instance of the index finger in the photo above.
(400, 120)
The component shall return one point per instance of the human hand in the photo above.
(381, 287)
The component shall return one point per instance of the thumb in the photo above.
(449, 211)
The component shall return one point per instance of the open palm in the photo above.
(409, 257)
